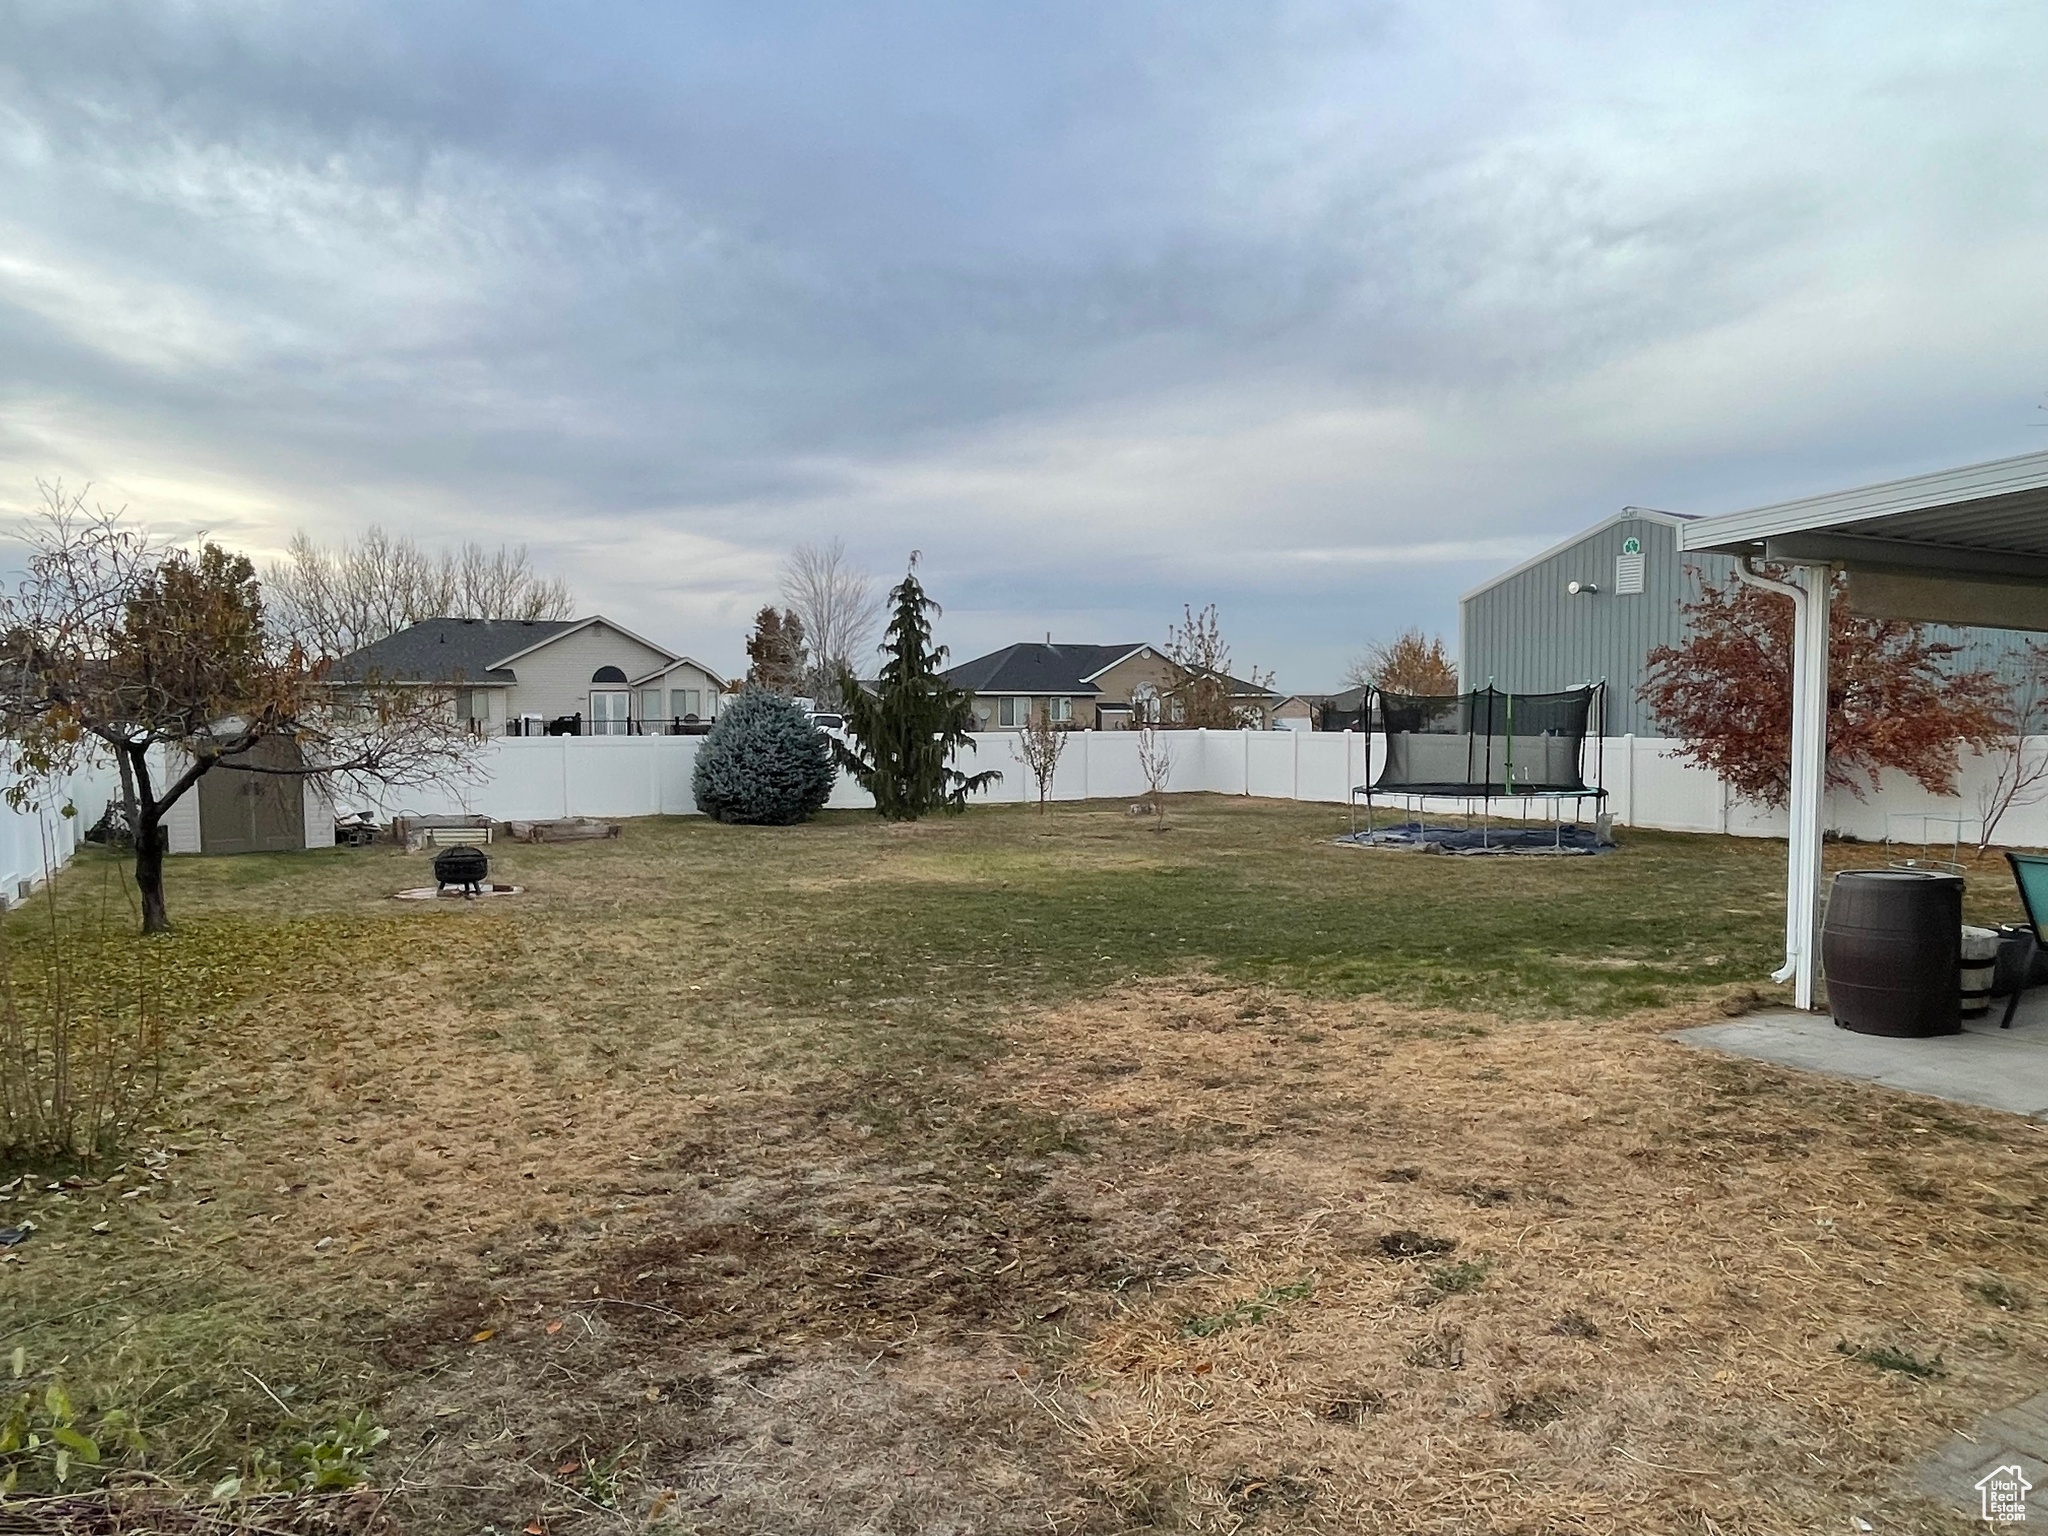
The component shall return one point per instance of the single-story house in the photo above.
(1087, 687)
(514, 677)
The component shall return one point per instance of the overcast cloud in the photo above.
(1320, 312)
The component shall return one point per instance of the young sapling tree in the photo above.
(1038, 746)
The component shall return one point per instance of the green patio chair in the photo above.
(2030, 874)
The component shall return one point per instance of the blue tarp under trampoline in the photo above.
(1414, 837)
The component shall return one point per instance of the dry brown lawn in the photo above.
(1189, 1252)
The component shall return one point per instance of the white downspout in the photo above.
(1810, 603)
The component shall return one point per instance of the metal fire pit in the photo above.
(463, 866)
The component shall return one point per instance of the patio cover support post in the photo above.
(1810, 591)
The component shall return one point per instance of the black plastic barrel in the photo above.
(1892, 949)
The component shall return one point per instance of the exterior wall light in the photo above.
(1583, 588)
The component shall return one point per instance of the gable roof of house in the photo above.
(681, 661)
(1036, 668)
(1033, 667)
(448, 650)
(465, 650)
(1240, 689)
(570, 627)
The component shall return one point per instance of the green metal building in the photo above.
(1594, 607)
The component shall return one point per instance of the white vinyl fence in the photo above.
(37, 842)
(543, 777)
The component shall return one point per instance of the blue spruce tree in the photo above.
(763, 763)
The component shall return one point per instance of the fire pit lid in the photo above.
(461, 865)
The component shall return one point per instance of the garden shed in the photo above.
(236, 811)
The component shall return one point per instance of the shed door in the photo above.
(241, 812)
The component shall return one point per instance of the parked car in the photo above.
(831, 724)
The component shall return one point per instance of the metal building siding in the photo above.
(1527, 634)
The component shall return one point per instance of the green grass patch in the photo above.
(1458, 1279)
(1889, 1357)
(1250, 1312)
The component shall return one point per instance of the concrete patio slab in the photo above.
(2013, 1437)
(1996, 1068)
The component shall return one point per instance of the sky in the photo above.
(1322, 313)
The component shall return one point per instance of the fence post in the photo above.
(1084, 763)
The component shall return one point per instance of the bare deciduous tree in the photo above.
(840, 605)
(112, 643)
(2020, 775)
(333, 601)
(1412, 662)
(1155, 763)
(1038, 746)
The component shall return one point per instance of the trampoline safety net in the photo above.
(1484, 743)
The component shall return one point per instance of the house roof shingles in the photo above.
(1037, 668)
(449, 651)
(1053, 669)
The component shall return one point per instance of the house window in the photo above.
(650, 703)
(1015, 713)
(686, 703)
(1063, 711)
(610, 711)
(1144, 705)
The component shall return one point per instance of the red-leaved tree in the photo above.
(1893, 702)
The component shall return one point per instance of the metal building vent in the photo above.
(1628, 568)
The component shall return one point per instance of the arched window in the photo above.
(610, 703)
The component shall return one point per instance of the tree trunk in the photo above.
(128, 805)
(149, 872)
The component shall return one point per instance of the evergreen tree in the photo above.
(763, 763)
(909, 727)
(777, 652)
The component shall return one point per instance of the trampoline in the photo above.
(1482, 746)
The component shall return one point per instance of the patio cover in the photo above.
(1963, 546)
